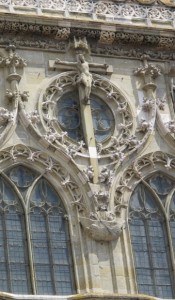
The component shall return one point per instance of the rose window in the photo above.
(68, 114)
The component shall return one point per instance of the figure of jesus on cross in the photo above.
(84, 80)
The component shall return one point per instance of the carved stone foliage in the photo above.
(5, 116)
(13, 59)
(136, 172)
(54, 37)
(124, 51)
(12, 62)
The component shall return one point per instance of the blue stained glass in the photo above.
(21, 176)
(43, 193)
(69, 117)
(161, 184)
(142, 200)
(103, 120)
(172, 225)
(172, 205)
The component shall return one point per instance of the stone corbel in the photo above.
(102, 224)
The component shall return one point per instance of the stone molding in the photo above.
(87, 296)
(104, 11)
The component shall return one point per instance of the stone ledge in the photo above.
(103, 11)
(90, 296)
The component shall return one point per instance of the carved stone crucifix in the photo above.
(84, 83)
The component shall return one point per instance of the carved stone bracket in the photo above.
(102, 230)
(102, 225)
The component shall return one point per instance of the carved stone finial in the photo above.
(148, 72)
(80, 45)
(148, 69)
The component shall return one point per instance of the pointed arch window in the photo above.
(151, 241)
(14, 266)
(35, 254)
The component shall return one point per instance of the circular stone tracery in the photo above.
(112, 117)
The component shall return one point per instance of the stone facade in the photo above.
(128, 48)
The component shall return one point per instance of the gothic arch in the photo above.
(71, 193)
(149, 230)
(154, 166)
(137, 172)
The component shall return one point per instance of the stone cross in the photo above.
(84, 83)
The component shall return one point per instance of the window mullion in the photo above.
(30, 256)
(69, 249)
(150, 251)
(170, 244)
(9, 283)
(50, 253)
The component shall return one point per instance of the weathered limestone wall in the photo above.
(103, 260)
(134, 49)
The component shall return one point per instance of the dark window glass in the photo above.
(150, 247)
(68, 115)
(47, 244)
(50, 242)
(14, 267)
